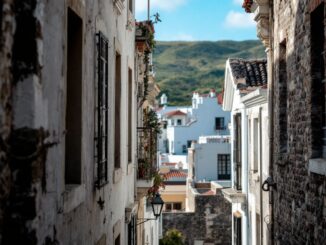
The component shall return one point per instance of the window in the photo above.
(283, 98)
(219, 123)
(102, 110)
(237, 152)
(172, 122)
(184, 149)
(318, 122)
(74, 101)
(168, 206)
(223, 167)
(237, 230)
(177, 206)
(130, 6)
(132, 231)
(117, 110)
(166, 144)
(173, 206)
(117, 240)
(129, 115)
(189, 143)
(179, 122)
(255, 159)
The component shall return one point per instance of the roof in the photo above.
(175, 113)
(176, 174)
(249, 74)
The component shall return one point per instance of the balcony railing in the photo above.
(147, 149)
(214, 139)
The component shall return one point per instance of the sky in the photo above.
(199, 20)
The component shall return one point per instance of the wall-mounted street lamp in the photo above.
(157, 206)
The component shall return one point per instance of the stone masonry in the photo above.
(299, 199)
(210, 223)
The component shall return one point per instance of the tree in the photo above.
(172, 237)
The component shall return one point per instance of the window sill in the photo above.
(117, 175)
(73, 196)
(234, 196)
(317, 166)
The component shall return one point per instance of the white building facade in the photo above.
(210, 160)
(182, 125)
(246, 96)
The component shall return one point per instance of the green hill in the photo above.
(184, 67)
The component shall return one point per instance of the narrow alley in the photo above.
(160, 122)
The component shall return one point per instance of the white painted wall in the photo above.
(206, 160)
(251, 106)
(200, 121)
(151, 227)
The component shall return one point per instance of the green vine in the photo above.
(152, 121)
(146, 79)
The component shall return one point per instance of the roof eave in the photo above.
(229, 88)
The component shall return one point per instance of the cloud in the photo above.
(168, 5)
(238, 2)
(183, 37)
(239, 20)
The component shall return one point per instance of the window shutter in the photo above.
(102, 110)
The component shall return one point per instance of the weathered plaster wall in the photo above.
(36, 207)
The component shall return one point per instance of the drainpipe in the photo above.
(244, 160)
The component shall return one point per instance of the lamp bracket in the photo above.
(145, 220)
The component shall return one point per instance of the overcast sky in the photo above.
(191, 20)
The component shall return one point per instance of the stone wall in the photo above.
(298, 201)
(210, 223)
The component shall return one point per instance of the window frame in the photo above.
(219, 123)
(224, 166)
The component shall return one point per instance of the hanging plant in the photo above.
(247, 5)
(158, 182)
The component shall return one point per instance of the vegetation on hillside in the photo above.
(184, 67)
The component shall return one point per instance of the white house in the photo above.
(245, 96)
(182, 125)
(210, 160)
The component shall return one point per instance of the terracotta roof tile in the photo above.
(175, 113)
(249, 74)
(175, 174)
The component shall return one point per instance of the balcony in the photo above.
(145, 36)
(234, 196)
(147, 165)
(214, 139)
